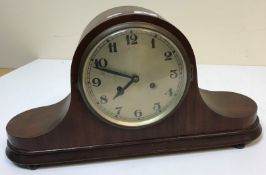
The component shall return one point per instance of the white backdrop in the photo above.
(221, 32)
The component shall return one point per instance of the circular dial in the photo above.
(134, 77)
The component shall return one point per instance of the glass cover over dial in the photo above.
(133, 77)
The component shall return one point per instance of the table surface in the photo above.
(44, 82)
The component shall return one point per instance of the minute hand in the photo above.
(113, 72)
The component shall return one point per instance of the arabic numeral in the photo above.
(96, 82)
(153, 43)
(173, 74)
(118, 110)
(169, 92)
(168, 55)
(102, 62)
(112, 47)
(157, 107)
(137, 113)
(132, 39)
(103, 99)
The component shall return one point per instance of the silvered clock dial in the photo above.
(133, 75)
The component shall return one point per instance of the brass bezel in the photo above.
(113, 30)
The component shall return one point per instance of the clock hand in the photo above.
(121, 90)
(113, 72)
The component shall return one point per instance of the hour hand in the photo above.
(113, 72)
(121, 90)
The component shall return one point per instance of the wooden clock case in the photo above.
(69, 132)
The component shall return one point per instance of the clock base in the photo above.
(33, 160)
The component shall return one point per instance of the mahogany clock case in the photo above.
(70, 132)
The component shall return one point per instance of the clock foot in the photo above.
(30, 167)
(239, 146)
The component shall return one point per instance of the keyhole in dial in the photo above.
(152, 85)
